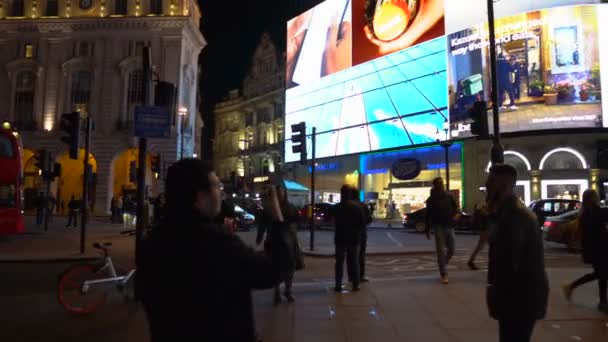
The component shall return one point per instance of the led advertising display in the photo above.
(397, 100)
(548, 70)
(379, 74)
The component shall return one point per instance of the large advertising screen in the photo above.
(378, 74)
(547, 68)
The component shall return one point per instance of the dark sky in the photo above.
(232, 30)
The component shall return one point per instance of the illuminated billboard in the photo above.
(379, 74)
(548, 70)
(397, 100)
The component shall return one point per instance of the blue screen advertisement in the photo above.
(396, 100)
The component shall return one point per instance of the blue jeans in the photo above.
(444, 240)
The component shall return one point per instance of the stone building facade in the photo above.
(60, 56)
(249, 130)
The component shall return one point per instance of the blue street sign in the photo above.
(152, 122)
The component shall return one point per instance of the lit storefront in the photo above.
(381, 188)
(331, 174)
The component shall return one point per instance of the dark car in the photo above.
(417, 220)
(564, 229)
(552, 207)
(322, 214)
(244, 220)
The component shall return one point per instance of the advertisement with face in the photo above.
(548, 70)
(319, 42)
(381, 27)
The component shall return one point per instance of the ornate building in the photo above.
(60, 56)
(249, 130)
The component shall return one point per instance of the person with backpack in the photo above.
(441, 208)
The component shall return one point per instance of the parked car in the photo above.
(552, 207)
(563, 229)
(322, 214)
(417, 220)
(243, 220)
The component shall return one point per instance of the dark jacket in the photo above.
(280, 237)
(516, 272)
(195, 281)
(350, 223)
(595, 239)
(440, 208)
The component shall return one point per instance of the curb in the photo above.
(316, 254)
(47, 259)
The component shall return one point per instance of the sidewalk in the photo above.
(60, 243)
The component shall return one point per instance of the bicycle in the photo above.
(83, 288)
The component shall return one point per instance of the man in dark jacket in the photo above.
(518, 287)
(350, 223)
(367, 217)
(441, 208)
(194, 277)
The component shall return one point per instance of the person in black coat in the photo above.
(367, 216)
(350, 222)
(518, 287)
(593, 221)
(193, 277)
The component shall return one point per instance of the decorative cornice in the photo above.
(77, 63)
(93, 24)
(23, 64)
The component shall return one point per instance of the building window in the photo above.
(25, 90)
(51, 8)
(249, 119)
(135, 92)
(120, 7)
(80, 93)
(84, 49)
(137, 48)
(156, 6)
(17, 8)
(29, 51)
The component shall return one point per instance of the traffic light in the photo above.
(132, 171)
(298, 140)
(479, 116)
(41, 161)
(70, 123)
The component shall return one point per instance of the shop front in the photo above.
(330, 175)
(392, 197)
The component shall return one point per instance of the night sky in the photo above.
(232, 30)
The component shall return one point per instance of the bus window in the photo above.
(6, 148)
(7, 196)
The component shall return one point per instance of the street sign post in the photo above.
(152, 122)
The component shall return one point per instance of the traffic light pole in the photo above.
(143, 151)
(497, 152)
(312, 188)
(85, 185)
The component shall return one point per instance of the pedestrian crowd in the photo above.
(195, 277)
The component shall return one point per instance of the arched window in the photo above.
(25, 90)
(80, 94)
(563, 158)
(265, 167)
(156, 6)
(17, 8)
(135, 90)
(120, 7)
(51, 8)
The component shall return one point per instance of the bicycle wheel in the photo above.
(70, 294)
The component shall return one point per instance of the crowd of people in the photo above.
(217, 271)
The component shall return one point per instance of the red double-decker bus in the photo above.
(11, 178)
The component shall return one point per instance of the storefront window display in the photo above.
(382, 189)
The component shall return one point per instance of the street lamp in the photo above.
(445, 143)
(182, 112)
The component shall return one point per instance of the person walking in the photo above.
(350, 221)
(367, 219)
(592, 224)
(278, 222)
(441, 208)
(210, 299)
(480, 222)
(518, 287)
(504, 72)
(40, 208)
(73, 208)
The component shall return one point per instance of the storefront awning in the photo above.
(294, 186)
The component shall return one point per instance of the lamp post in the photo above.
(446, 143)
(182, 112)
